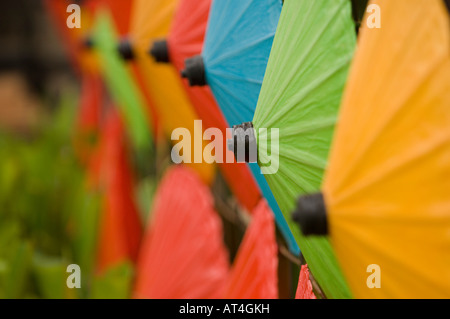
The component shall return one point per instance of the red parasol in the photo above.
(120, 225)
(184, 41)
(254, 273)
(183, 255)
(304, 288)
(89, 115)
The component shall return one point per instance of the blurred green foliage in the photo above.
(49, 217)
(114, 283)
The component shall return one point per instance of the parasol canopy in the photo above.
(233, 61)
(385, 197)
(89, 115)
(120, 225)
(236, 50)
(120, 81)
(185, 39)
(304, 287)
(300, 97)
(254, 272)
(183, 255)
(164, 85)
(120, 12)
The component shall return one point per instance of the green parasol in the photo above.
(300, 96)
(120, 81)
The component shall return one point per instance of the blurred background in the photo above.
(92, 204)
(52, 200)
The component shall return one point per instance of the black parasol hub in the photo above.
(243, 143)
(195, 71)
(447, 2)
(125, 49)
(87, 43)
(160, 51)
(311, 215)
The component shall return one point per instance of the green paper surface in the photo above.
(300, 96)
(120, 82)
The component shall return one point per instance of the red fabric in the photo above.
(186, 40)
(121, 13)
(89, 116)
(254, 272)
(120, 225)
(90, 103)
(304, 288)
(183, 255)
